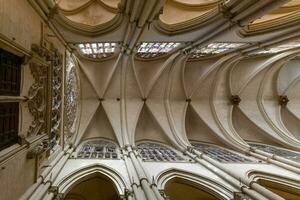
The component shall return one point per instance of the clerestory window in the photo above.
(97, 50)
(157, 152)
(148, 50)
(99, 149)
(277, 151)
(220, 154)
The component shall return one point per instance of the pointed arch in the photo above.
(286, 187)
(90, 171)
(218, 190)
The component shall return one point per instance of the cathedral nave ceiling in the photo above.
(218, 81)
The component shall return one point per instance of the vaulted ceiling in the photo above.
(207, 88)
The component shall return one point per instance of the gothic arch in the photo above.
(286, 187)
(212, 187)
(91, 171)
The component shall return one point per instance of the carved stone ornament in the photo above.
(42, 52)
(38, 149)
(127, 194)
(235, 100)
(56, 97)
(71, 98)
(163, 194)
(283, 100)
(37, 96)
(241, 196)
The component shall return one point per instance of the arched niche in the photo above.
(286, 187)
(180, 185)
(76, 184)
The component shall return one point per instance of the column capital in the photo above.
(127, 193)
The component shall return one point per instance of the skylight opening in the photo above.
(97, 50)
(215, 48)
(277, 49)
(155, 49)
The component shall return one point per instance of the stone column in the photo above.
(137, 191)
(253, 191)
(150, 191)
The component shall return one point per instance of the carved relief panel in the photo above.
(45, 95)
(37, 99)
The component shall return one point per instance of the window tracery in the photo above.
(278, 151)
(277, 49)
(97, 50)
(220, 154)
(157, 152)
(71, 98)
(99, 149)
(148, 50)
(215, 48)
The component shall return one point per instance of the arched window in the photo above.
(220, 154)
(278, 151)
(99, 149)
(157, 152)
(71, 98)
(215, 48)
(149, 50)
(97, 50)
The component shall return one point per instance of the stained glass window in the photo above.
(97, 50)
(71, 95)
(157, 152)
(220, 154)
(99, 149)
(147, 50)
(278, 151)
(277, 49)
(215, 48)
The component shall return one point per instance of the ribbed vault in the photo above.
(172, 99)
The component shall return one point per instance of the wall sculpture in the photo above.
(37, 104)
(37, 96)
